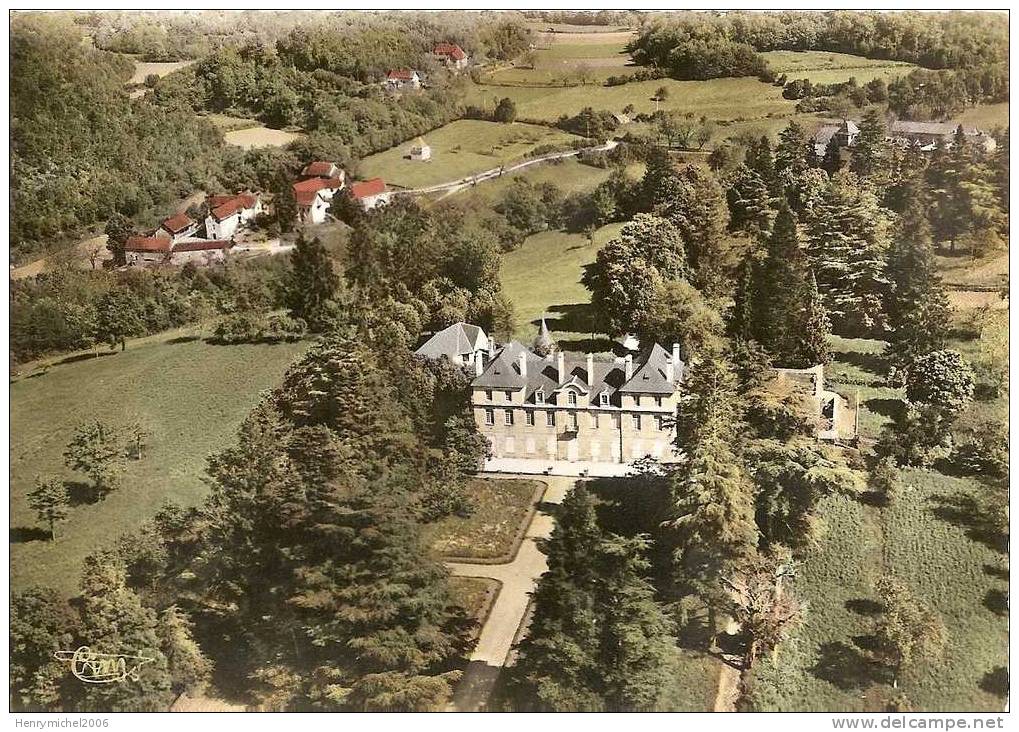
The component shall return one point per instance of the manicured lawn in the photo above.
(543, 277)
(461, 149)
(190, 395)
(501, 505)
(823, 67)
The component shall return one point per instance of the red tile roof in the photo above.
(318, 169)
(202, 245)
(178, 223)
(365, 188)
(400, 75)
(146, 244)
(306, 191)
(450, 50)
(226, 206)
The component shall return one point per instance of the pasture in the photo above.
(986, 116)
(543, 276)
(459, 150)
(191, 396)
(823, 67)
(143, 68)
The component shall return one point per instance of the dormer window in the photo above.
(571, 399)
(539, 397)
(604, 398)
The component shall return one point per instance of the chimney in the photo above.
(670, 370)
(479, 363)
(675, 362)
(628, 366)
(523, 364)
(590, 370)
(561, 365)
(491, 348)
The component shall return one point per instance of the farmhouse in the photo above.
(227, 214)
(200, 251)
(145, 250)
(322, 169)
(402, 79)
(370, 193)
(451, 56)
(845, 135)
(313, 198)
(420, 150)
(175, 228)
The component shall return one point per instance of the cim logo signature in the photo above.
(102, 668)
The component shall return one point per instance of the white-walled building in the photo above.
(175, 228)
(421, 150)
(227, 214)
(370, 193)
(200, 251)
(403, 79)
(314, 197)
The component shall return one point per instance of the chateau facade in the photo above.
(570, 407)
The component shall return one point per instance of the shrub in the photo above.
(280, 327)
(237, 328)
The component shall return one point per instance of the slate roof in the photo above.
(905, 127)
(503, 372)
(456, 340)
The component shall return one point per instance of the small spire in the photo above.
(543, 343)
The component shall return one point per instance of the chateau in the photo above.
(600, 413)
(566, 407)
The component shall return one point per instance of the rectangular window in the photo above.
(636, 400)
(636, 422)
(509, 396)
(571, 399)
(658, 401)
(530, 419)
(539, 397)
(604, 397)
(490, 416)
(573, 420)
(488, 394)
(596, 420)
(550, 419)
(660, 422)
(509, 416)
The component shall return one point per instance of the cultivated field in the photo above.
(563, 59)
(459, 150)
(190, 395)
(144, 68)
(259, 136)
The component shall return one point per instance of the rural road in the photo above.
(471, 180)
(518, 578)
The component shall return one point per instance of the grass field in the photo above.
(501, 505)
(461, 149)
(822, 67)
(561, 58)
(475, 595)
(930, 537)
(144, 68)
(543, 277)
(190, 395)
(986, 116)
